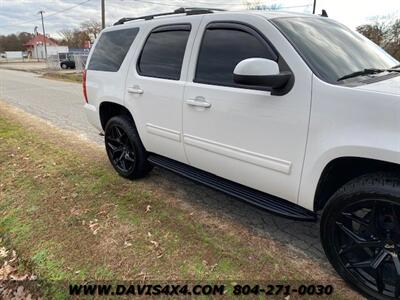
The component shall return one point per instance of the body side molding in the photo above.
(257, 159)
(163, 132)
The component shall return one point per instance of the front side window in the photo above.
(111, 49)
(223, 47)
(163, 52)
(331, 49)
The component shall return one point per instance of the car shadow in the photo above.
(301, 237)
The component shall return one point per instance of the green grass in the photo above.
(55, 193)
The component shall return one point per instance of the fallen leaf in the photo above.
(155, 244)
(6, 271)
(3, 252)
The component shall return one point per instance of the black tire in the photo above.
(361, 225)
(125, 149)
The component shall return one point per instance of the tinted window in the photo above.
(331, 49)
(223, 48)
(163, 53)
(111, 49)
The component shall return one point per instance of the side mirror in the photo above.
(262, 72)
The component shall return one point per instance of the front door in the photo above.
(244, 134)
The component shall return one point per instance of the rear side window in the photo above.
(163, 52)
(111, 49)
(223, 47)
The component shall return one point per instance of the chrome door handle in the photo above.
(199, 102)
(135, 90)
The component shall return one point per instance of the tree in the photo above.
(384, 34)
(374, 32)
(77, 37)
(393, 36)
(256, 5)
(67, 37)
(14, 42)
(92, 28)
(252, 4)
(74, 38)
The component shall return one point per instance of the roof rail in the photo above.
(183, 10)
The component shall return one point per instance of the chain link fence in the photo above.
(54, 61)
(80, 61)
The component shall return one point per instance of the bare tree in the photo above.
(252, 4)
(257, 5)
(75, 38)
(92, 28)
(374, 32)
(385, 34)
(67, 36)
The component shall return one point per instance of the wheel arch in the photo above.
(108, 109)
(341, 170)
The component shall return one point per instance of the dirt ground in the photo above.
(70, 217)
(28, 66)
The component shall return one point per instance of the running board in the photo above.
(271, 203)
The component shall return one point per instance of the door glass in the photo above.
(163, 53)
(222, 49)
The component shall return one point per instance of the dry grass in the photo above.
(70, 217)
(71, 77)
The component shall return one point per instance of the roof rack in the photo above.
(183, 10)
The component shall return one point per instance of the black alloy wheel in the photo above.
(361, 236)
(125, 149)
(120, 149)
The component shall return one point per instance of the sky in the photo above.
(22, 15)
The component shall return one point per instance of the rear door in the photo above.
(245, 134)
(155, 84)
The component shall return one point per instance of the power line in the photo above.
(142, 1)
(152, 2)
(208, 3)
(68, 8)
(48, 16)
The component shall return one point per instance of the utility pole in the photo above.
(103, 14)
(314, 6)
(44, 34)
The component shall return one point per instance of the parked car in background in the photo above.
(293, 113)
(67, 63)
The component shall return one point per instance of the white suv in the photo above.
(293, 113)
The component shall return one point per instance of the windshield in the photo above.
(331, 49)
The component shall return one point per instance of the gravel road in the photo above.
(61, 103)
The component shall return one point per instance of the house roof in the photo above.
(40, 39)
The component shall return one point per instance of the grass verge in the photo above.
(71, 218)
(72, 77)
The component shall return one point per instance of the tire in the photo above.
(64, 66)
(125, 149)
(360, 233)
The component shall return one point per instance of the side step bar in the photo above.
(271, 203)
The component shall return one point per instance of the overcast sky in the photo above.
(22, 15)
